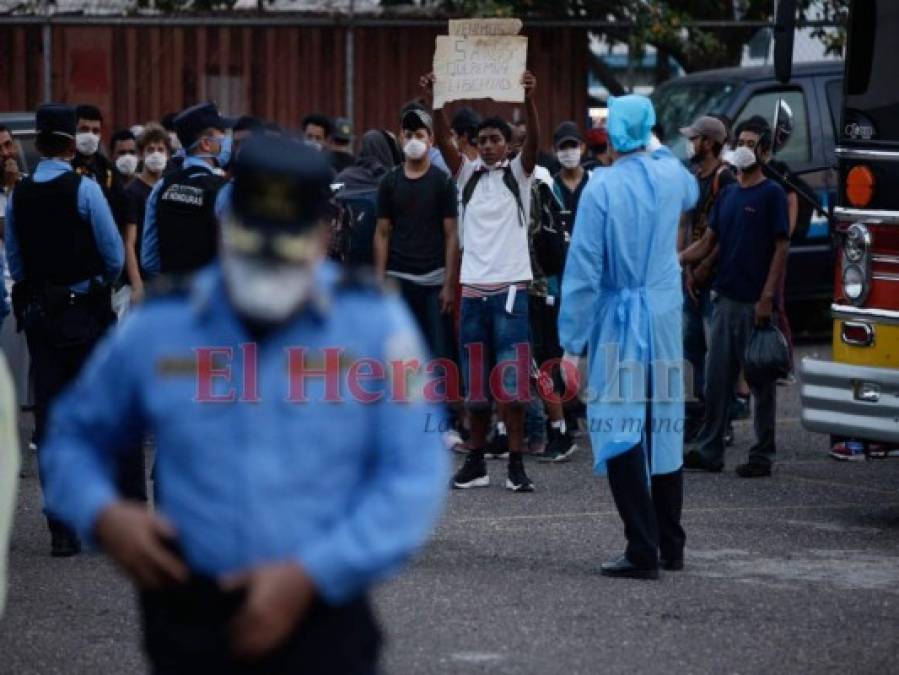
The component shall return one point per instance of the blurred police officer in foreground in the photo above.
(64, 252)
(180, 227)
(274, 516)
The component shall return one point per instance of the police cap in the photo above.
(191, 122)
(281, 185)
(56, 119)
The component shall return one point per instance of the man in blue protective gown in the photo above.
(288, 482)
(622, 304)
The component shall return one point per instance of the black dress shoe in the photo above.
(695, 461)
(754, 470)
(625, 569)
(64, 545)
(673, 564)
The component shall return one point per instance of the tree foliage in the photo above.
(668, 25)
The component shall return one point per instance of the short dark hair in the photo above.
(465, 124)
(88, 112)
(497, 123)
(121, 135)
(757, 125)
(248, 123)
(5, 128)
(53, 145)
(319, 120)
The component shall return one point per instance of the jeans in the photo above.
(732, 324)
(491, 336)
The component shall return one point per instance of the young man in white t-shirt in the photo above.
(496, 268)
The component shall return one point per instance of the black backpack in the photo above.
(508, 180)
(550, 237)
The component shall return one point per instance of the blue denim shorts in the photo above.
(495, 349)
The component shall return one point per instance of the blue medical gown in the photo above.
(622, 303)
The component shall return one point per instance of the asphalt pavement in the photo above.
(798, 573)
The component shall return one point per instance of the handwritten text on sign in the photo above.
(484, 27)
(479, 67)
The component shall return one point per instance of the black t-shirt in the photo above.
(136, 195)
(416, 209)
(103, 171)
(569, 198)
(708, 193)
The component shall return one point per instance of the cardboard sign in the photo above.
(484, 27)
(479, 67)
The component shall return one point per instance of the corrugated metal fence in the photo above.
(137, 69)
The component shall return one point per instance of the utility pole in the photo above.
(47, 49)
(350, 67)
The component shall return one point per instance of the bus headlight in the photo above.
(858, 241)
(854, 284)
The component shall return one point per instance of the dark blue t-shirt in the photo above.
(748, 222)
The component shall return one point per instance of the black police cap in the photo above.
(281, 185)
(191, 122)
(56, 119)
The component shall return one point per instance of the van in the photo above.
(815, 95)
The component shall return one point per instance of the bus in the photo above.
(855, 394)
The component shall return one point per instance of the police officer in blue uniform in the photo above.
(284, 493)
(180, 227)
(64, 252)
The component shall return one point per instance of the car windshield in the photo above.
(678, 103)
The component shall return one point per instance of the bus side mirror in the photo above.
(784, 30)
(782, 128)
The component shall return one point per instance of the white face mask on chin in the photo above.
(264, 291)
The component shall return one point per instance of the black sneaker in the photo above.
(472, 474)
(559, 448)
(518, 480)
(498, 447)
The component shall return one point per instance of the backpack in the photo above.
(549, 235)
(508, 180)
(352, 240)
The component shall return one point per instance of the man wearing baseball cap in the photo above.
(705, 140)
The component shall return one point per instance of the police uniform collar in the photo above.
(209, 285)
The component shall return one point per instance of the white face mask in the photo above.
(156, 161)
(266, 291)
(743, 158)
(570, 158)
(87, 143)
(690, 151)
(126, 164)
(415, 149)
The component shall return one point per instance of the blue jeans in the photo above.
(495, 349)
(697, 334)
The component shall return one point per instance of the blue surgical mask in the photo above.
(224, 156)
